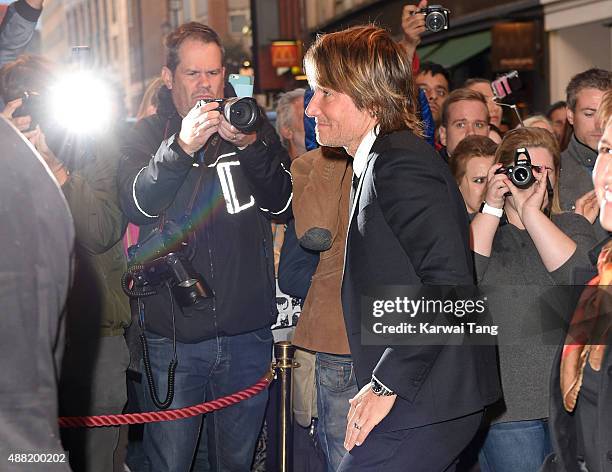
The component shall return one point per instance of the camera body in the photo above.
(241, 112)
(436, 18)
(521, 172)
(164, 257)
(32, 105)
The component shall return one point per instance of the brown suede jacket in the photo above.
(321, 191)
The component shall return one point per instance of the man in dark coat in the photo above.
(418, 404)
(189, 165)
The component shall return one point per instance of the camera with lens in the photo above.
(38, 107)
(241, 112)
(32, 105)
(436, 17)
(521, 172)
(164, 258)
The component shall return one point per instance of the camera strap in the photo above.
(212, 149)
(550, 192)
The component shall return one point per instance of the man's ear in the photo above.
(286, 133)
(166, 75)
(570, 116)
(442, 131)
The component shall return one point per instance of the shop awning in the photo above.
(457, 50)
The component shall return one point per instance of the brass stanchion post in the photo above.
(283, 354)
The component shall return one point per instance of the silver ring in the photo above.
(235, 137)
(356, 426)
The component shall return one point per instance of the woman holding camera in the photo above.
(523, 245)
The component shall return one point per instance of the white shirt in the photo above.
(363, 151)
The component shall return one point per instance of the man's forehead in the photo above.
(464, 109)
(589, 97)
(195, 52)
(427, 76)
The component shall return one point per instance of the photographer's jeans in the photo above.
(336, 385)
(515, 446)
(206, 371)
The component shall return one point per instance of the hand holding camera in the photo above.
(413, 25)
(240, 119)
(21, 122)
(530, 198)
(526, 183)
(497, 187)
(198, 126)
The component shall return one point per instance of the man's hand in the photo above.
(198, 126)
(367, 410)
(587, 206)
(231, 134)
(22, 123)
(413, 26)
(38, 140)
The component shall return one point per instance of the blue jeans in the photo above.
(336, 385)
(206, 371)
(514, 446)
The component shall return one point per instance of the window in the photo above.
(130, 13)
(201, 8)
(115, 49)
(237, 22)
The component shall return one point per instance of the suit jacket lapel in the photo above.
(374, 152)
(371, 157)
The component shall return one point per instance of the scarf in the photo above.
(588, 330)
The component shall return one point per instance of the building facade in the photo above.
(547, 41)
(126, 36)
(579, 35)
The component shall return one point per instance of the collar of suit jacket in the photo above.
(363, 151)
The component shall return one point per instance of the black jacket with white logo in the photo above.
(239, 191)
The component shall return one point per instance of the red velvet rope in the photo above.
(167, 415)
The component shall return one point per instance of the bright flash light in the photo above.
(81, 103)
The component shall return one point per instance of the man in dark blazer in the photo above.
(420, 405)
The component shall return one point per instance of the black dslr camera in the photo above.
(164, 257)
(241, 112)
(32, 105)
(38, 108)
(521, 173)
(436, 17)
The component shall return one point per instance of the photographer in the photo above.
(188, 166)
(93, 371)
(520, 251)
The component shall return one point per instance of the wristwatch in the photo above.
(489, 210)
(379, 389)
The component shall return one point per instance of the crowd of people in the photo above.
(154, 248)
